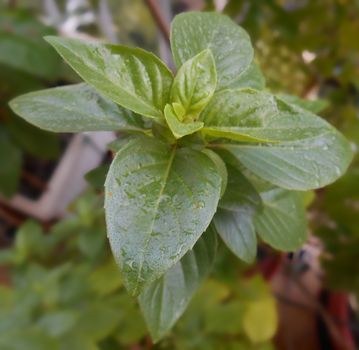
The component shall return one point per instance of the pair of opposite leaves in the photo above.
(159, 198)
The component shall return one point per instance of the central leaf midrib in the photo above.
(193, 89)
(164, 183)
(240, 131)
(280, 144)
(235, 127)
(237, 133)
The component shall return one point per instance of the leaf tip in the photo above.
(13, 104)
(16, 105)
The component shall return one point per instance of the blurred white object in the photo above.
(105, 22)
(77, 13)
(308, 56)
(220, 4)
(84, 153)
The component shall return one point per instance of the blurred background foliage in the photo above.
(66, 293)
(63, 290)
(309, 48)
(26, 63)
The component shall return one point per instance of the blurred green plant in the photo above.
(133, 23)
(65, 292)
(311, 45)
(26, 63)
(307, 41)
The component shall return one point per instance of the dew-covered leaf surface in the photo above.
(234, 217)
(195, 84)
(295, 149)
(133, 78)
(193, 32)
(164, 301)
(159, 200)
(282, 222)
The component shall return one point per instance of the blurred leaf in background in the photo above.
(22, 46)
(66, 292)
(26, 63)
(309, 48)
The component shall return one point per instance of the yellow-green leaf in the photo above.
(195, 84)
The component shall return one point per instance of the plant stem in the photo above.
(12, 4)
(159, 19)
(10, 217)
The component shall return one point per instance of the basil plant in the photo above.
(205, 152)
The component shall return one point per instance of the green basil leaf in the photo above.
(164, 301)
(304, 152)
(234, 217)
(159, 200)
(235, 134)
(221, 167)
(133, 78)
(194, 84)
(11, 160)
(314, 106)
(252, 77)
(178, 128)
(282, 222)
(193, 32)
(74, 108)
(302, 165)
(259, 116)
